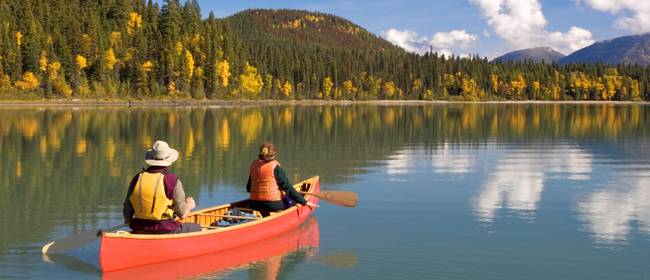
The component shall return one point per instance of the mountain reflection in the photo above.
(517, 182)
(609, 214)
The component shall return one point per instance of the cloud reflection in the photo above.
(444, 159)
(400, 163)
(448, 160)
(609, 214)
(517, 182)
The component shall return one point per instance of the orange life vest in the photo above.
(264, 187)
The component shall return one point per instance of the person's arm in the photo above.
(127, 208)
(248, 185)
(286, 186)
(182, 205)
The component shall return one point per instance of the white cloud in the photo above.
(486, 33)
(441, 42)
(455, 38)
(523, 25)
(639, 22)
(408, 40)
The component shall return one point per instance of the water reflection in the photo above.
(446, 159)
(268, 259)
(609, 214)
(65, 170)
(517, 182)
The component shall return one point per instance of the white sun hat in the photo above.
(161, 154)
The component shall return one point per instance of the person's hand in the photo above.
(189, 201)
(311, 205)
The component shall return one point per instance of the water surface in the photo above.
(463, 191)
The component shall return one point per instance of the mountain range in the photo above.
(634, 49)
(537, 55)
(317, 30)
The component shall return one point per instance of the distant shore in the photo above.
(235, 103)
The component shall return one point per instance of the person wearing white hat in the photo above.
(156, 196)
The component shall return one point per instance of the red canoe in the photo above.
(268, 252)
(123, 250)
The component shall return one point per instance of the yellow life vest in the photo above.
(149, 200)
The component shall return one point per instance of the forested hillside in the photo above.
(137, 49)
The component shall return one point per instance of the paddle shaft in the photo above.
(341, 198)
(229, 216)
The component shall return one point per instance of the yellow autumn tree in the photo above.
(250, 81)
(57, 80)
(518, 85)
(348, 88)
(5, 81)
(223, 73)
(416, 87)
(537, 86)
(147, 66)
(19, 38)
(171, 88)
(135, 22)
(179, 48)
(42, 62)
(29, 82)
(428, 94)
(53, 70)
(81, 62)
(494, 83)
(115, 39)
(327, 87)
(109, 59)
(389, 89)
(287, 89)
(189, 66)
(469, 88)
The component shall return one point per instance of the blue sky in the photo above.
(487, 27)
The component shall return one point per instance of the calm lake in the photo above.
(446, 191)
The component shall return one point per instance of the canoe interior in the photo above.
(208, 217)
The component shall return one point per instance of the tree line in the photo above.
(139, 49)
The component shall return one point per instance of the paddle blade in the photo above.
(70, 242)
(342, 198)
(75, 241)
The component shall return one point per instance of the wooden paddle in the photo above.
(75, 241)
(341, 198)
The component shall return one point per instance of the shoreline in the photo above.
(244, 103)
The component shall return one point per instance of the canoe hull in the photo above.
(303, 238)
(120, 251)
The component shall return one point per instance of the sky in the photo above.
(488, 28)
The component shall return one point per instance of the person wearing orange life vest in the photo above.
(156, 196)
(267, 182)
